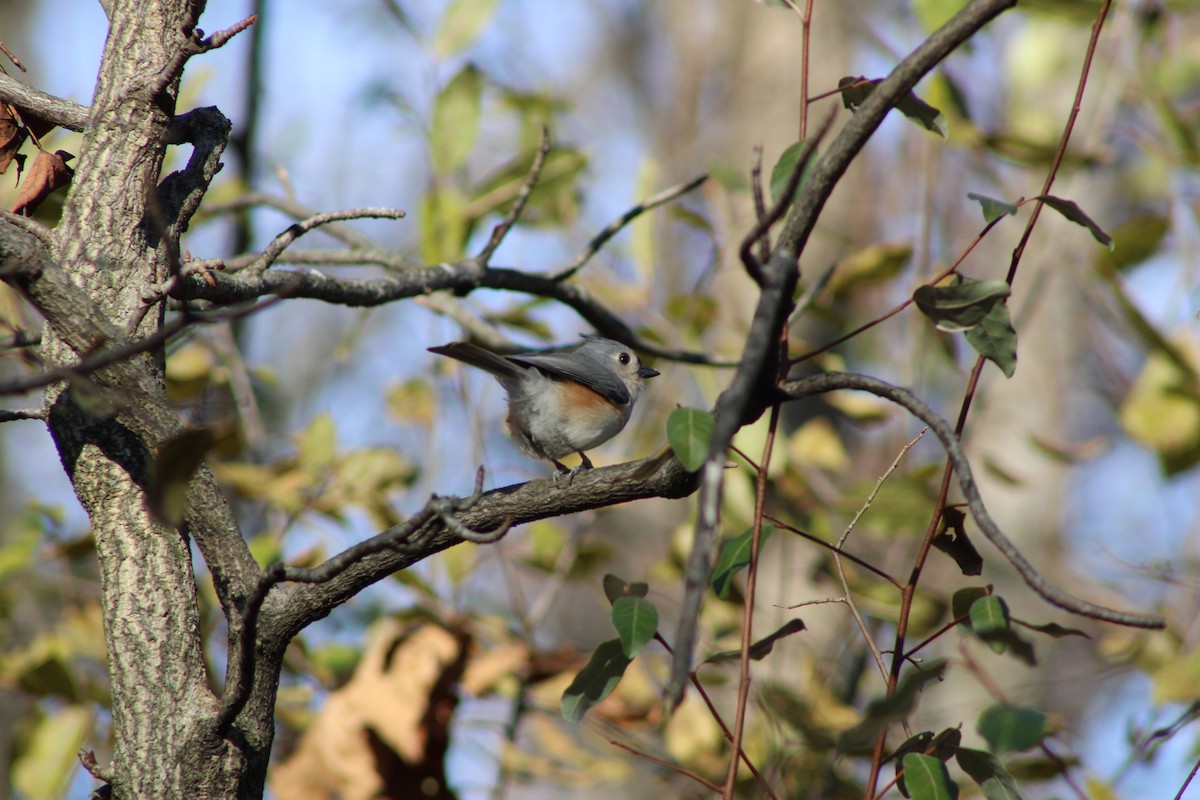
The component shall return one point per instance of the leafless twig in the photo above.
(614, 227)
(518, 206)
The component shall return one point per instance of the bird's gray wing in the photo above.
(599, 378)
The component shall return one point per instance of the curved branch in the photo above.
(834, 381)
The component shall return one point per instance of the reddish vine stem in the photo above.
(760, 494)
(972, 385)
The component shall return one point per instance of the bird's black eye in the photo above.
(623, 358)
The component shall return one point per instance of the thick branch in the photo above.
(64, 113)
(78, 323)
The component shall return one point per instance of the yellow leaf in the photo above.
(1162, 411)
(816, 443)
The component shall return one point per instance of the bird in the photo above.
(563, 402)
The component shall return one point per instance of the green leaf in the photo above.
(960, 306)
(911, 106)
(1011, 728)
(177, 460)
(883, 711)
(763, 647)
(782, 171)
(926, 778)
(1071, 210)
(987, 771)
(995, 339)
(456, 115)
(993, 209)
(734, 557)
(461, 24)
(989, 615)
(1162, 410)
(688, 432)
(636, 621)
(952, 540)
(595, 681)
(990, 621)
(615, 588)
(963, 599)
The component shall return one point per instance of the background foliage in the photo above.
(334, 422)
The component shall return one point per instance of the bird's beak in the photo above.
(646, 372)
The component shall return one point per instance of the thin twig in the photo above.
(867, 565)
(743, 694)
(837, 559)
(614, 227)
(298, 229)
(716, 715)
(518, 206)
(12, 57)
(687, 773)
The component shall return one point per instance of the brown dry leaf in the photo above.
(11, 136)
(384, 732)
(49, 172)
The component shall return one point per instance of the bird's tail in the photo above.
(476, 356)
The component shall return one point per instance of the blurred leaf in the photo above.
(334, 662)
(643, 248)
(1136, 239)
(316, 444)
(688, 432)
(1071, 210)
(555, 199)
(870, 266)
(636, 621)
(926, 778)
(911, 106)
(933, 14)
(412, 402)
(1162, 412)
(615, 588)
(782, 171)
(444, 225)
(23, 533)
(595, 681)
(41, 770)
(456, 115)
(816, 443)
(730, 177)
(734, 557)
(987, 771)
(693, 313)
(882, 712)
(952, 540)
(992, 209)
(763, 647)
(1011, 728)
(960, 306)
(174, 464)
(460, 25)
